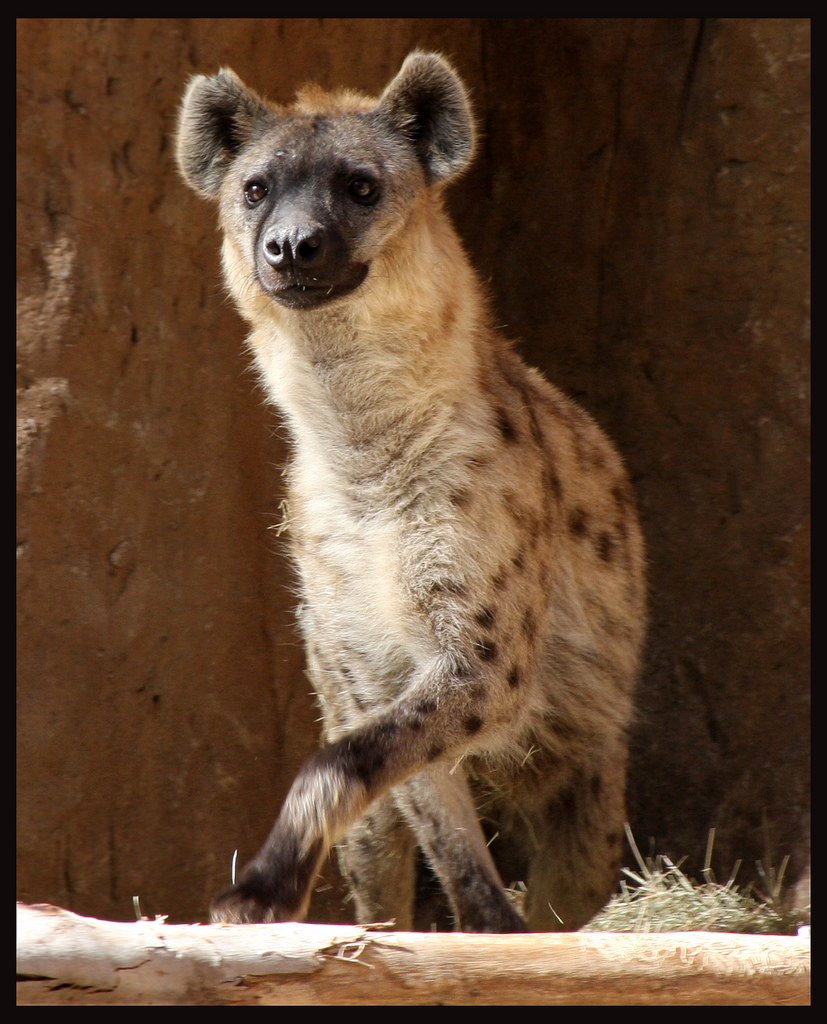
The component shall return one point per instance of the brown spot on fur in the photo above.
(485, 617)
(605, 546)
(473, 724)
(425, 707)
(551, 484)
(536, 429)
(578, 522)
(487, 650)
(506, 428)
(621, 492)
(499, 581)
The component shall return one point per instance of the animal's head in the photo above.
(310, 193)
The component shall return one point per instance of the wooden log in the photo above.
(65, 959)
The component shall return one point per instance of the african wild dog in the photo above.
(470, 560)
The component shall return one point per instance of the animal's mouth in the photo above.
(304, 291)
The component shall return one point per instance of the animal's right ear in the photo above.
(217, 117)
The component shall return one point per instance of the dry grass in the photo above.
(659, 897)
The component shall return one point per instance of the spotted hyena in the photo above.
(469, 556)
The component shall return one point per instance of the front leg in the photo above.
(438, 806)
(378, 858)
(440, 718)
(277, 883)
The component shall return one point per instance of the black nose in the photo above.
(302, 247)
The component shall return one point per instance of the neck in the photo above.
(385, 369)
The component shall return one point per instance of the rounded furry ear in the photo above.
(217, 117)
(428, 104)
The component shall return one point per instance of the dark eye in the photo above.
(254, 192)
(363, 190)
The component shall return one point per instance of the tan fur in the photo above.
(471, 572)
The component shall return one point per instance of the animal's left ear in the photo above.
(428, 104)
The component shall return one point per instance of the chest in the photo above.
(351, 565)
